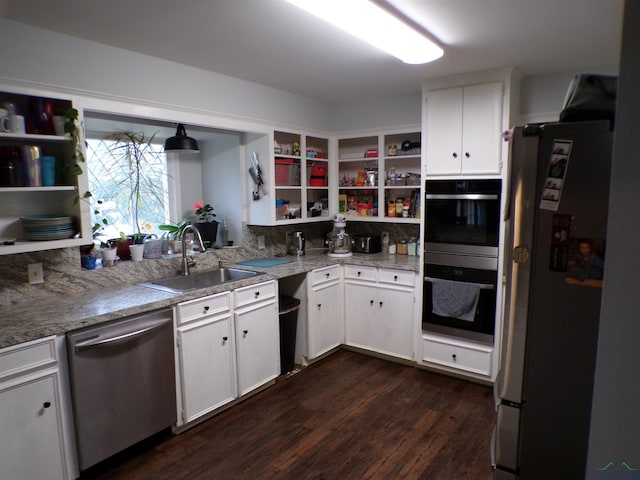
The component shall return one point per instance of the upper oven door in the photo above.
(463, 212)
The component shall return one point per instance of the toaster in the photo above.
(367, 243)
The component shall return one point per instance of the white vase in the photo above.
(109, 256)
(137, 252)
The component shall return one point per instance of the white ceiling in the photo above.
(274, 43)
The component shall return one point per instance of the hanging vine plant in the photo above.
(72, 130)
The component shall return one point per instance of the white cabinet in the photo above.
(206, 365)
(325, 320)
(378, 171)
(35, 439)
(296, 173)
(379, 309)
(464, 126)
(457, 355)
(21, 187)
(257, 335)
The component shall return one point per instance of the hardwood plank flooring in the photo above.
(349, 416)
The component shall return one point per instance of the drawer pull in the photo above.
(224, 339)
(206, 308)
(319, 306)
(359, 273)
(380, 304)
(454, 357)
(370, 302)
(395, 278)
(46, 404)
(257, 294)
(328, 275)
(245, 332)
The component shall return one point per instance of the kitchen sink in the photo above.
(198, 280)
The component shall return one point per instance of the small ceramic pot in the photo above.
(137, 252)
(109, 256)
(89, 262)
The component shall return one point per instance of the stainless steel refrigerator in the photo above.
(557, 219)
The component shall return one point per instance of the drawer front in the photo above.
(397, 277)
(255, 293)
(462, 357)
(360, 272)
(326, 274)
(27, 356)
(203, 307)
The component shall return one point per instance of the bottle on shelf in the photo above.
(225, 233)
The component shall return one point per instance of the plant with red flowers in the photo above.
(204, 211)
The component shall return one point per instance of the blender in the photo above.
(339, 240)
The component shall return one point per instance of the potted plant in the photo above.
(206, 224)
(173, 234)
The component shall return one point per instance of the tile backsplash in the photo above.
(64, 275)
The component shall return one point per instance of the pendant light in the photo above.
(181, 143)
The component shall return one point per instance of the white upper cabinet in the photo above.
(464, 126)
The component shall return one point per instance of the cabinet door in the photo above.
(257, 345)
(444, 131)
(481, 129)
(325, 318)
(395, 311)
(30, 419)
(361, 318)
(206, 367)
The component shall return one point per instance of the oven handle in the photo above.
(461, 196)
(482, 286)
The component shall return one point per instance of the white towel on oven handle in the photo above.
(455, 299)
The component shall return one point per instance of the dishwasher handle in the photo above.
(117, 339)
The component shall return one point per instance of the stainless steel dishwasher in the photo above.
(123, 383)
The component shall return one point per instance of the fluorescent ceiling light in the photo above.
(376, 26)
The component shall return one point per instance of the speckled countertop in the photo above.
(27, 321)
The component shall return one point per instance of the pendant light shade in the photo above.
(180, 142)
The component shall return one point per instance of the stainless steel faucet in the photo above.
(189, 261)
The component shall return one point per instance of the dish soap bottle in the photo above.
(225, 233)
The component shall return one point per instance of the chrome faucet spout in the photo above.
(189, 262)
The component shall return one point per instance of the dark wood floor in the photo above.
(349, 416)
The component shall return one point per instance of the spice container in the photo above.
(393, 150)
(411, 246)
(399, 205)
(391, 209)
(402, 247)
(392, 248)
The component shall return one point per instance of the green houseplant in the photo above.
(206, 224)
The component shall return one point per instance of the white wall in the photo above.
(615, 419)
(51, 58)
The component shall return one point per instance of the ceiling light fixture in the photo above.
(180, 142)
(375, 25)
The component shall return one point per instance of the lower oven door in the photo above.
(459, 301)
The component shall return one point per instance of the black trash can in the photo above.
(288, 313)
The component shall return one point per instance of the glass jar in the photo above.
(402, 247)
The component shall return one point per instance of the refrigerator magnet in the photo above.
(558, 163)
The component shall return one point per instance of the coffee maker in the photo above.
(295, 243)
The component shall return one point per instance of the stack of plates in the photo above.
(47, 227)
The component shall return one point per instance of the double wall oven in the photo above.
(462, 230)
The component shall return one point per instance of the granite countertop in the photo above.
(32, 320)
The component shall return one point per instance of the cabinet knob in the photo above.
(467, 154)
(224, 339)
(395, 278)
(454, 357)
(245, 332)
(257, 294)
(319, 305)
(454, 154)
(206, 308)
(46, 404)
(328, 275)
(371, 302)
(359, 273)
(380, 304)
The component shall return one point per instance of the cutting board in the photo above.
(265, 262)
